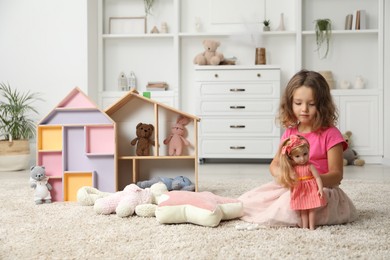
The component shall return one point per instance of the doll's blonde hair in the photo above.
(291, 145)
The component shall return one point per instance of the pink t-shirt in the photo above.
(320, 143)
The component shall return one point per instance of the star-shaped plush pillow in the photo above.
(200, 208)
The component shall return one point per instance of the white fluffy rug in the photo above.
(69, 231)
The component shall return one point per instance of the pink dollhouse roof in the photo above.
(76, 101)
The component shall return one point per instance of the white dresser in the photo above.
(237, 106)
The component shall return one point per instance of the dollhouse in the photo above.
(80, 145)
(134, 108)
(76, 146)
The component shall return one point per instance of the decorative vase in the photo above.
(345, 84)
(164, 27)
(197, 24)
(281, 23)
(260, 56)
(359, 82)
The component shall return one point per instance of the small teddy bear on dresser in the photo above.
(39, 182)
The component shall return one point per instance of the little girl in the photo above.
(306, 109)
(302, 178)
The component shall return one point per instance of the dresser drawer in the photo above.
(237, 126)
(266, 89)
(238, 148)
(237, 75)
(238, 107)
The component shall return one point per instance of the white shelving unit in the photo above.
(169, 57)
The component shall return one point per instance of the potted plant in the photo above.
(16, 127)
(148, 6)
(266, 24)
(323, 31)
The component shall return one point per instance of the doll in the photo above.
(302, 178)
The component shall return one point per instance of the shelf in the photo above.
(75, 109)
(50, 138)
(73, 181)
(99, 140)
(55, 177)
(99, 154)
(49, 151)
(370, 31)
(155, 157)
(356, 92)
(210, 34)
(352, 52)
(133, 36)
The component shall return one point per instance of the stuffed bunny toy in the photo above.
(176, 139)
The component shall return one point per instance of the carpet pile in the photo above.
(66, 230)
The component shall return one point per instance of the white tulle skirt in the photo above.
(269, 205)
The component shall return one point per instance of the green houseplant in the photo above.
(266, 24)
(148, 6)
(16, 127)
(323, 32)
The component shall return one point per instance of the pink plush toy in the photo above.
(176, 139)
(123, 202)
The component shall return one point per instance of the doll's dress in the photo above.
(304, 195)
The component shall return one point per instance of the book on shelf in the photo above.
(157, 86)
(348, 22)
(362, 20)
(359, 20)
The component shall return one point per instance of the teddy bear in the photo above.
(125, 203)
(350, 156)
(176, 140)
(39, 182)
(143, 142)
(177, 183)
(210, 56)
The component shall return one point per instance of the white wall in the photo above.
(386, 123)
(43, 47)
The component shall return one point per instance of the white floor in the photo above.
(256, 171)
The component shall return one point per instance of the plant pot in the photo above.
(266, 28)
(15, 155)
(322, 25)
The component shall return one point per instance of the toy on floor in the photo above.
(125, 203)
(210, 56)
(177, 183)
(350, 155)
(87, 195)
(39, 182)
(176, 140)
(200, 208)
(144, 133)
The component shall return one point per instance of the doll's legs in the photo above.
(312, 219)
(305, 218)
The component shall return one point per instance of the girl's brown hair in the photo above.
(327, 114)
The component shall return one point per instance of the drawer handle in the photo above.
(237, 89)
(237, 147)
(237, 107)
(237, 126)
(216, 75)
(258, 75)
